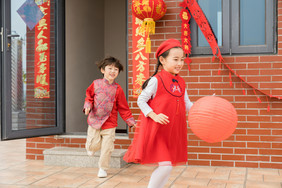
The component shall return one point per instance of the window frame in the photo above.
(230, 32)
(269, 30)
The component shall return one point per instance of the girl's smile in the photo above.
(174, 62)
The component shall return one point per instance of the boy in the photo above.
(104, 99)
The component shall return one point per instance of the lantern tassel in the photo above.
(148, 45)
(244, 92)
(230, 79)
(256, 95)
(148, 26)
(268, 106)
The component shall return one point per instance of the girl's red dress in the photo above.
(154, 142)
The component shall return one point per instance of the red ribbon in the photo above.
(203, 24)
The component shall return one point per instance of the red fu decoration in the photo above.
(148, 11)
(212, 119)
(203, 24)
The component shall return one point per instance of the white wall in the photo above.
(94, 29)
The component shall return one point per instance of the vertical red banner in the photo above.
(140, 58)
(42, 52)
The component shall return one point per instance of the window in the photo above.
(240, 26)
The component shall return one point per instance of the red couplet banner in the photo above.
(42, 53)
(140, 58)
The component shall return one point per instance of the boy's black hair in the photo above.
(110, 61)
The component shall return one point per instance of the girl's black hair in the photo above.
(156, 71)
(164, 55)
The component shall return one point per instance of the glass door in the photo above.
(32, 64)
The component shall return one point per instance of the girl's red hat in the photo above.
(166, 45)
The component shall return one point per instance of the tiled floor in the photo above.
(17, 172)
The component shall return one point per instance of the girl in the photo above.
(161, 137)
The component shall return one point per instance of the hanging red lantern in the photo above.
(148, 11)
(212, 119)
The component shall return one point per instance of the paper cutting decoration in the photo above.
(30, 13)
(193, 7)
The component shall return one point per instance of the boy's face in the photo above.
(110, 73)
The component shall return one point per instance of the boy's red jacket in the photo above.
(105, 101)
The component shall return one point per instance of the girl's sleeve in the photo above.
(123, 108)
(148, 93)
(188, 103)
(88, 103)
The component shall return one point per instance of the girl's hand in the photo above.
(159, 118)
(86, 111)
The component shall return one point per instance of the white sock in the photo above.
(160, 176)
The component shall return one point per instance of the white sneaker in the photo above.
(90, 153)
(102, 173)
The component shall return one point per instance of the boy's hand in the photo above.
(133, 126)
(86, 111)
(159, 118)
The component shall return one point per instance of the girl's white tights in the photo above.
(160, 176)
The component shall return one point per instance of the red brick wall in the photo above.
(257, 141)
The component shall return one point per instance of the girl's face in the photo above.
(110, 73)
(174, 62)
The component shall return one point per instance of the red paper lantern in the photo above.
(148, 11)
(212, 119)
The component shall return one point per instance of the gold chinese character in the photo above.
(43, 10)
(42, 57)
(139, 32)
(140, 55)
(185, 16)
(138, 21)
(40, 35)
(185, 33)
(140, 66)
(140, 44)
(42, 24)
(42, 67)
(41, 47)
(140, 78)
(41, 79)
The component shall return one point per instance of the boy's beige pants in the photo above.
(101, 139)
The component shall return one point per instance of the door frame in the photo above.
(5, 110)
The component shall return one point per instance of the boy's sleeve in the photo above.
(123, 108)
(89, 97)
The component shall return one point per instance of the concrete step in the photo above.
(77, 157)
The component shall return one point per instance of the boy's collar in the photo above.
(107, 81)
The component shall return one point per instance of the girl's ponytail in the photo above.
(156, 71)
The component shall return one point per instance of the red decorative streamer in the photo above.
(203, 24)
(186, 35)
(42, 53)
(140, 58)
